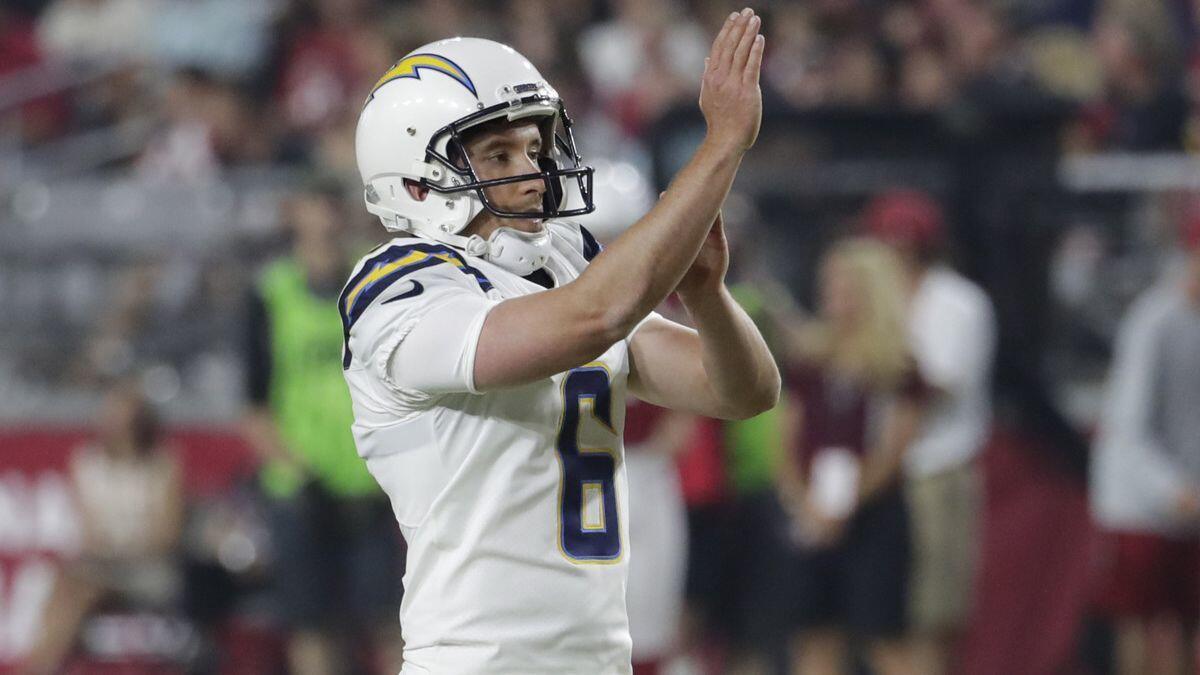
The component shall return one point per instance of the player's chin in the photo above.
(528, 225)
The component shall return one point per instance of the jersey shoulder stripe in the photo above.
(383, 269)
(591, 247)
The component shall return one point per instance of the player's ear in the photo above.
(416, 190)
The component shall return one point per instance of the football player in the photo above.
(489, 347)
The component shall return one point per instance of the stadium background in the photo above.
(148, 147)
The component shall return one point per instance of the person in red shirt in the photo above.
(42, 118)
(857, 404)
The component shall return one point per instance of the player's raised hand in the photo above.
(729, 95)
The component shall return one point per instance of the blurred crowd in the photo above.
(843, 530)
(180, 102)
(217, 83)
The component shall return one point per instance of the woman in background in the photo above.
(857, 403)
(129, 494)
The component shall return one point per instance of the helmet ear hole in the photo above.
(415, 190)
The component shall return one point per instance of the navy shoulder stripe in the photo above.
(386, 268)
(591, 247)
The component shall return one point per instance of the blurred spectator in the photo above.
(439, 19)
(337, 548)
(127, 97)
(794, 65)
(229, 37)
(858, 401)
(924, 80)
(1145, 488)
(41, 118)
(645, 60)
(239, 135)
(754, 614)
(704, 481)
(952, 333)
(129, 493)
(120, 332)
(184, 150)
(1061, 61)
(857, 75)
(207, 125)
(653, 437)
(976, 38)
(323, 72)
(97, 30)
(535, 31)
(1144, 107)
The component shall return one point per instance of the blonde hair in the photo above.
(875, 351)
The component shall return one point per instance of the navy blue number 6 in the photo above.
(588, 525)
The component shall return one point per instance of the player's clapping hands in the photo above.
(729, 95)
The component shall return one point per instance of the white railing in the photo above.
(75, 154)
(1124, 172)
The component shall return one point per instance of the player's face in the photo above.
(508, 151)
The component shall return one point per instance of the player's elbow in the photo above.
(766, 395)
(754, 407)
(611, 315)
(595, 331)
(615, 320)
(760, 398)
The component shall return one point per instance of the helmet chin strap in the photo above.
(521, 253)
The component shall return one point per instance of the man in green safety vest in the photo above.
(337, 550)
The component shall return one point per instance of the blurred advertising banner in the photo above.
(39, 521)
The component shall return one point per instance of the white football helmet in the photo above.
(412, 124)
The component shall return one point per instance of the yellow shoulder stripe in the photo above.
(384, 270)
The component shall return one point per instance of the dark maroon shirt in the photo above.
(841, 412)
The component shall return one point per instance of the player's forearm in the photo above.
(637, 272)
(740, 369)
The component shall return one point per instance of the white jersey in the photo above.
(513, 502)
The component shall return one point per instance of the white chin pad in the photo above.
(521, 253)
